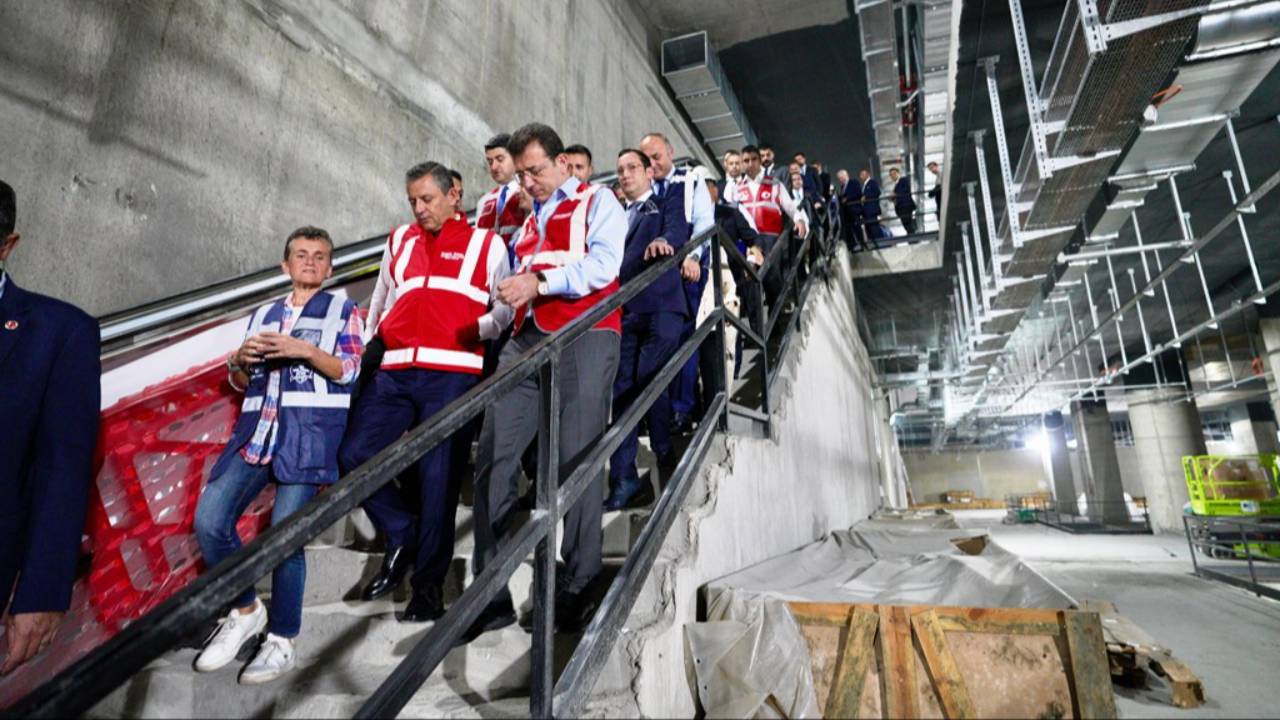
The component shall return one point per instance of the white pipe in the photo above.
(1064, 258)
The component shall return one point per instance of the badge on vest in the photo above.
(11, 325)
(299, 374)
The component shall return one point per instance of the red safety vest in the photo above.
(566, 243)
(512, 216)
(763, 205)
(441, 283)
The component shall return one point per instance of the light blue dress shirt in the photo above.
(4, 277)
(606, 236)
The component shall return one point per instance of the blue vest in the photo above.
(313, 409)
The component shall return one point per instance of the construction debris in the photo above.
(1131, 652)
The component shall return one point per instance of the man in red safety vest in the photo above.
(568, 255)
(431, 309)
(499, 209)
(766, 200)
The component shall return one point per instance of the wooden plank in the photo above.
(1124, 638)
(899, 678)
(851, 669)
(1186, 687)
(952, 692)
(1090, 676)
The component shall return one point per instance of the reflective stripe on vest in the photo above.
(538, 250)
(301, 386)
(763, 205)
(429, 334)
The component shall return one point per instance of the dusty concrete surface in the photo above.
(1227, 636)
(756, 499)
(989, 474)
(158, 146)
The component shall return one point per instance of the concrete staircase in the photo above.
(347, 647)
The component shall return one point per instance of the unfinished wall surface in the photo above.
(758, 498)
(159, 146)
(989, 473)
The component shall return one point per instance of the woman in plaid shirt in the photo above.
(297, 367)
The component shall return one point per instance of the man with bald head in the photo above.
(700, 213)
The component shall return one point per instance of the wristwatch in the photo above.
(543, 287)
(232, 367)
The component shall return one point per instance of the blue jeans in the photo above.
(223, 502)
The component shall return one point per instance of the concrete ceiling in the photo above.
(795, 67)
(730, 23)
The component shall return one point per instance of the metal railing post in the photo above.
(542, 676)
(721, 381)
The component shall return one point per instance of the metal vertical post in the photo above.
(1184, 224)
(1142, 321)
(542, 678)
(1002, 149)
(721, 379)
(1244, 235)
(979, 259)
(993, 237)
(1093, 313)
(1168, 301)
(1244, 175)
(975, 288)
(1035, 109)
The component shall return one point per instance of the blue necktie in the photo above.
(662, 186)
(502, 200)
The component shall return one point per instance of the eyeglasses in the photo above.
(535, 172)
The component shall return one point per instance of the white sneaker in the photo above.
(232, 633)
(274, 658)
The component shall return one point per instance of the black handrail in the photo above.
(91, 678)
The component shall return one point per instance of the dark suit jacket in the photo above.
(734, 224)
(903, 203)
(49, 401)
(657, 218)
(871, 201)
(812, 183)
(851, 200)
(824, 185)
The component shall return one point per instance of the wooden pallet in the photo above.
(1131, 652)
(872, 661)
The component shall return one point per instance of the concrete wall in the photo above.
(762, 498)
(989, 474)
(157, 146)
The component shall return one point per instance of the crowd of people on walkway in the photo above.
(327, 385)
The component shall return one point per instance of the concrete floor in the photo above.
(1227, 636)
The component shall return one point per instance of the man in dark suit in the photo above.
(777, 171)
(809, 175)
(904, 206)
(870, 207)
(49, 375)
(851, 212)
(651, 322)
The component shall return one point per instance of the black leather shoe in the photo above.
(681, 423)
(630, 496)
(395, 565)
(575, 610)
(427, 604)
(494, 617)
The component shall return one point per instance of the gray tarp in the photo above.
(751, 660)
